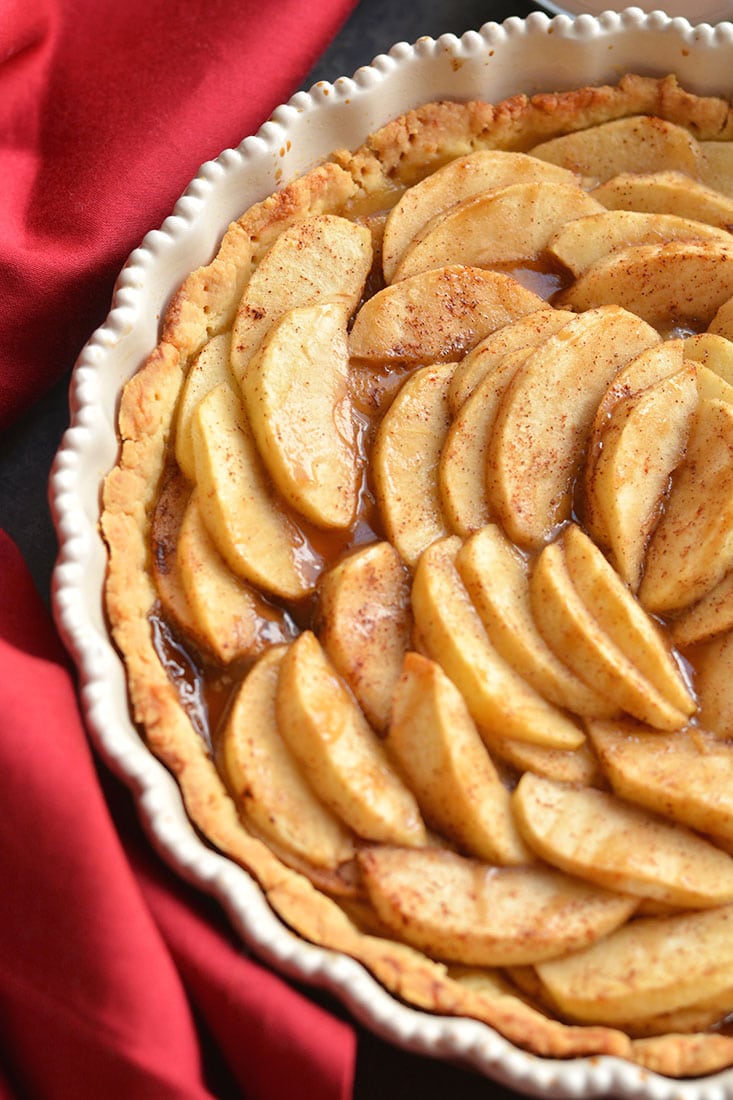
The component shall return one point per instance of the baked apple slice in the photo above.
(252, 532)
(685, 775)
(498, 698)
(681, 283)
(691, 549)
(539, 442)
(466, 911)
(582, 242)
(438, 748)
(301, 413)
(320, 258)
(652, 965)
(715, 684)
(570, 627)
(598, 837)
(510, 225)
(209, 369)
(265, 780)
(710, 616)
(437, 315)
(365, 624)
(461, 179)
(666, 192)
(339, 754)
(405, 460)
(713, 351)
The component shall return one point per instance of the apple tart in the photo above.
(420, 563)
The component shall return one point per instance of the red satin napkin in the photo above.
(116, 979)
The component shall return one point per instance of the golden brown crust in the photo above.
(396, 156)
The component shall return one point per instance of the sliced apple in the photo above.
(713, 351)
(716, 166)
(473, 913)
(498, 698)
(712, 386)
(251, 531)
(439, 750)
(652, 965)
(320, 258)
(541, 429)
(458, 180)
(232, 617)
(640, 143)
(365, 624)
(338, 752)
(301, 412)
(710, 616)
(666, 192)
(265, 781)
(714, 684)
(722, 322)
(463, 456)
(496, 576)
(686, 775)
(691, 549)
(583, 241)
(600, 838)
(437, 315)
(578, 766)
(405, 461)
(679, 283)
(209, 369)
(508, 225)
(572, 630)
(170, 508)
(641, 444)
(526, 332)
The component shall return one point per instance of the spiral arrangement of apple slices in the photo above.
(473, 545)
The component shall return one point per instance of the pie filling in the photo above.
(435, 623)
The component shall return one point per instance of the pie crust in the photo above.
(358, 185)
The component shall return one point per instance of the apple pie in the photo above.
(421, 563)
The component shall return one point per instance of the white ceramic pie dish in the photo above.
(482, 64)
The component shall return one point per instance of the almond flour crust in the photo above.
(394, 157)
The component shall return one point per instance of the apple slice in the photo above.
(440, 752)
(509, 225)
(686, 775)
(713, 351)
(600, 838)
(469, 912)
(582, 242)
(710, 616)
(526, 332)
(338, 752)
(496, 577)
(652, 965)
(463, 456)
(716, 166)
(712, 386)
(301, 413)
(437, 315)
(456, 181)
(542, 426)
(691, 549)
(265, 781)
(666, 192)
(170, 508)
(498, 698)
(231, 616)
(365, 624)
(640, 143)
(682, 283)
(572, 630)
(209, 369)
(319, 258)
(641, 444)
(578, 766)
(715, 684)
(405, 461)
(251, 531)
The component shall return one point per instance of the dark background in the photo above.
(28, 448)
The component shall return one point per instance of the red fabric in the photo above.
(116, 979)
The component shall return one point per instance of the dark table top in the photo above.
(28, 448)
